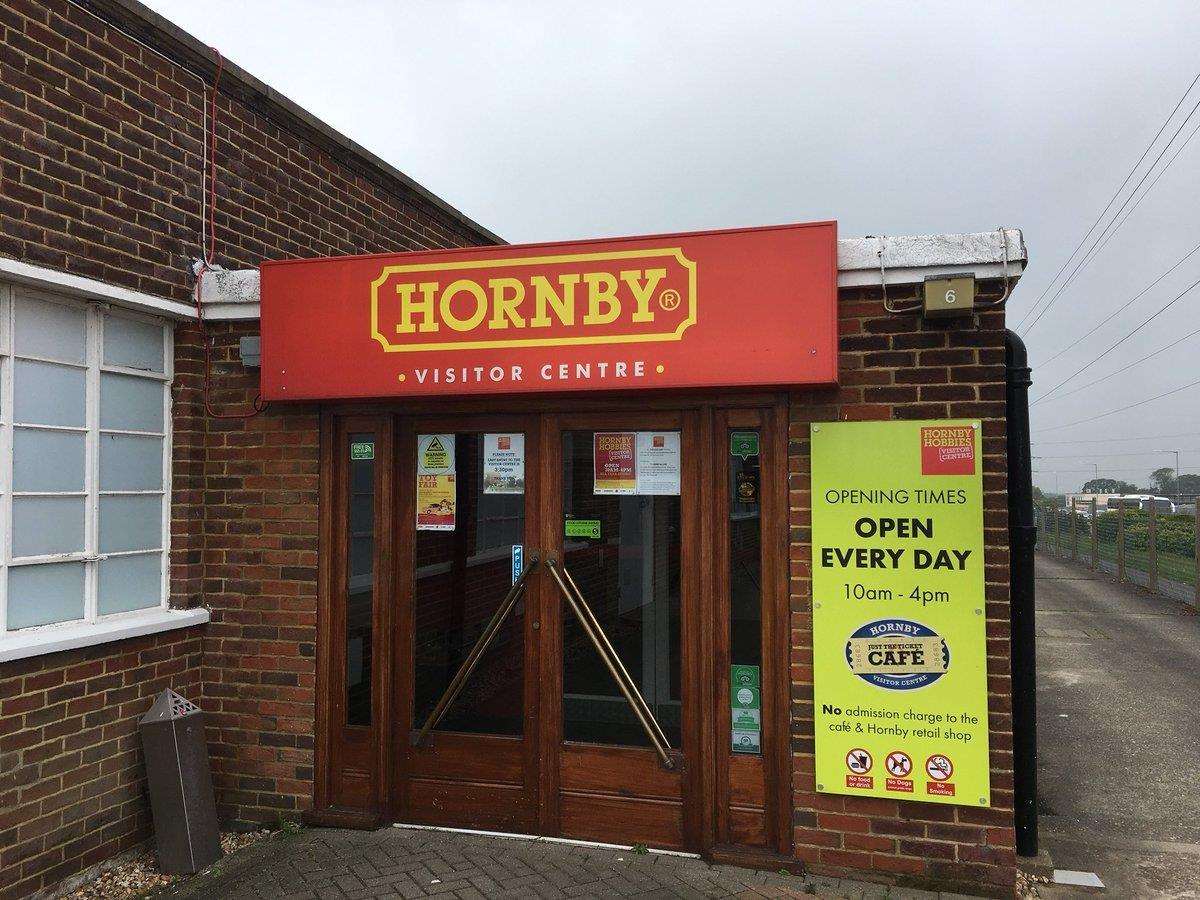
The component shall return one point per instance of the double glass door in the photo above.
(544, 682)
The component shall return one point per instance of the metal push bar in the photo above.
(612, 662)
(468, 666)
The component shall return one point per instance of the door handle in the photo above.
(485, 639)
(616, 668)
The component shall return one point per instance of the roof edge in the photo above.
(234, 294)
(162, 35)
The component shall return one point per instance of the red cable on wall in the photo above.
(209, 249)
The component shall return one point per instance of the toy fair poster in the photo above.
(437, 495)
(899, 643)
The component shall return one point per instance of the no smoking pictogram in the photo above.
(939, 767)
(898, 763)
(859, 761)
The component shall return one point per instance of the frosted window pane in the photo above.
(134, 345)
(45, 593)
(130, 523)
(131, 403)
(47, 460)
(46, 394)
(130, 463)
(130, 582)
(43, 525)
(49, 330)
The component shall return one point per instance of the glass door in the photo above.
(619, 534)
(470, 672)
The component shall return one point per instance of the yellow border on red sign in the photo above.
(676, 335)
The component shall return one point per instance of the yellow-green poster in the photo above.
(899, 643)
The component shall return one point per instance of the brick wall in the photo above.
(259, 507)
(72, 784)
(101, 142)
(904, 367)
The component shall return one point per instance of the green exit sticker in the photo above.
(583, 528)
(743, 444)
(362, 450)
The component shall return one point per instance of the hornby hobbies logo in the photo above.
(897, 654)
(948, 450)
(536, 301)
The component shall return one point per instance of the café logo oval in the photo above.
(611, 297)
(897, 654)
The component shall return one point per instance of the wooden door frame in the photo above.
(396, 506)
(692, 598)
(775, 629)
(450, 746)
(333, 739)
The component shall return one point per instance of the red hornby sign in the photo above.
(710, 309)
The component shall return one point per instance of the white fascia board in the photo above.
(909, 259)
(90, 289)
(71, 636)
(234, 294)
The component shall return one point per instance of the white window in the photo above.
(85, 450)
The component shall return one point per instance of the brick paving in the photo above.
(401, 863)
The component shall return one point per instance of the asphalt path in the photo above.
(1118, 732)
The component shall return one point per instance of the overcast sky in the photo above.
(556, 120)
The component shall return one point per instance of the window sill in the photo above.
(56, 638)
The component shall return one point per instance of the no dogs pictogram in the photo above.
(939, 767)
(859, 761)
(898, 763)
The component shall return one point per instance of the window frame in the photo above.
(96, 314)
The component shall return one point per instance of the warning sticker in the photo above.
(898, 763)
(859, 761)
(939, 767)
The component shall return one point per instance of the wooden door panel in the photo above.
(469, 804)
(655, 823)
(748, 826)
(626, 772)
(471, 757)
(746, 781)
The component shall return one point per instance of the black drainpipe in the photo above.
(1021, 538)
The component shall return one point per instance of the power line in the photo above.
(1123, 408)
(1113, 199)
(1092, 251)
(1102, 455)
(1148, 437)
(1126, 368)
(1162, 309)
(1120, 309)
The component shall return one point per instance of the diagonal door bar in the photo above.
(613, 663)
(612, 653)
(468, 665)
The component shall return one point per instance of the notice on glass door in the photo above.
(437, 492)
(436, 502)
(435, 454)
(504, 463)
(613, 453)
(657, 462)
(636, 462)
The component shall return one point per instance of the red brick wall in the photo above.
(904, 367)
(72, 784)
(259, 515)
(100, 175)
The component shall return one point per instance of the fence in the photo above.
(1146, 547)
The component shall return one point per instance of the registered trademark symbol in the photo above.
(669, 299)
